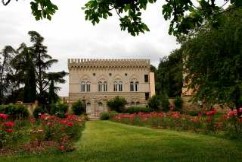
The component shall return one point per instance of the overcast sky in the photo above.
(68, 35)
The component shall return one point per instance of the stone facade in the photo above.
(95, 81)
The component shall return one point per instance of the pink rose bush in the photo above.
(207, 122)
(63, 131)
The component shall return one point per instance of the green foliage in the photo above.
(5, 71)
(15, 111)
(59, 109)
(178, 102)
(154, 103)
(169, 75)
(30, 66)
(117, 104)
(131, 21)
(78, 108)
(213, 61)
(38, 111)
(165, 105)
(136, 109)
(43, 9)
(185, 15)
(107, 115)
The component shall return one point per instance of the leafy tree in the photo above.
(42, 62)
(169, 75)
(25, 72)
(117, 104)
(213, 62)
(30, 72)
(53, 78)
(184, 15)
(6, 56)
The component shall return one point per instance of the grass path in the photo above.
(105, 141)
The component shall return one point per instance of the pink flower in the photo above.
(3, 116)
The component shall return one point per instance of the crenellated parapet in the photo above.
(108, 63)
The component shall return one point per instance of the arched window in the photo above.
(115, 86)
(131, 86)
(88, 86)
(85, 86)
(105, 86)
(99, 86)
(102, 86)
(134, 86)
(120, 86)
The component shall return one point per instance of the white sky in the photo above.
(68, 35)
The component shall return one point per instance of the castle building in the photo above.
(95, 81)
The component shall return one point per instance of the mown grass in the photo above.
(106, 141)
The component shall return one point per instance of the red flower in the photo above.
(9, 130)
(211, 112)
(3, 116)
(70, 124)
(8, 124)
(232, 113)
(62, 148)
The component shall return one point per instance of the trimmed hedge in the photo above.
(15, 111)
(136, 109)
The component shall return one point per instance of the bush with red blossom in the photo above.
(6, 129)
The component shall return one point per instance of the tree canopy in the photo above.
(184, 15)
(25, 75)
(213, 60)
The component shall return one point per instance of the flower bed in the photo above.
(39, 135)
(207, 122)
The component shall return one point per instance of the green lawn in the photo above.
(109, 141)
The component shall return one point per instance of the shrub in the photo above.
(136, 109)
(155, 103)
(117, 104)
(178, 102)
(78, 108)
(38, 111)
(59, 109)
(165, 105)
(15, 111)
(107, 115)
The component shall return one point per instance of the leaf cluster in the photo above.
(213, 61)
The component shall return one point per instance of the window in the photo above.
(99, 86)
(131, 86)
(88, 86)
(134, 86)
(115, 86)
(118, 86)
(85, 86)
(105, 86)
(146, 78)
(147, 95)
(102, 86)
